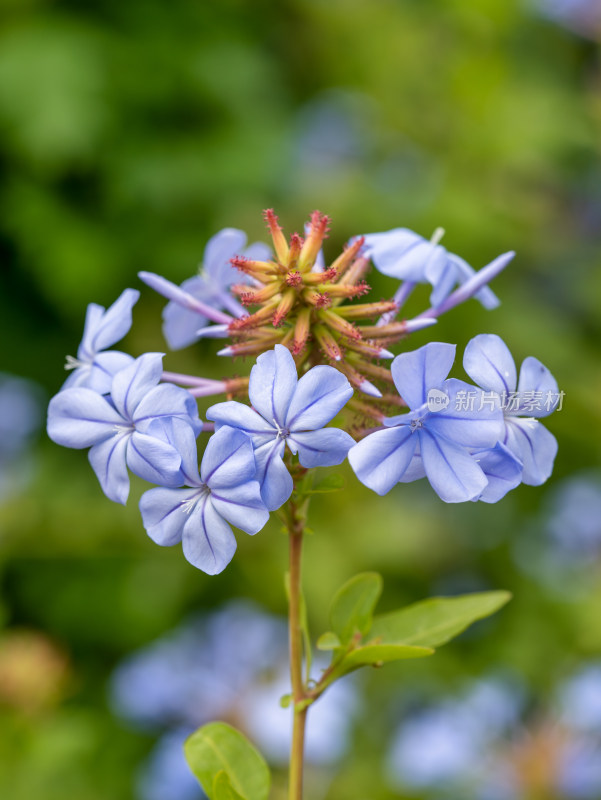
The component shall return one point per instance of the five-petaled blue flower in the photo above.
(212, 286)
(224, 493)
(92, 368)
(124, 428)
(489, 363)
(290, 411)
(407, 256)
(439, 434)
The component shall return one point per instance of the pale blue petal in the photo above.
(488, 362)
(154, 460)
(220, 248)
(237, 415)
(241, 506)
(181, 436)
(104, 367)
(165, 512)
(416, 372)
(228, 459)
(538, 390)
(415, 471)
(258, 251)
(319, 396)
(108, 462)
(272, 383)
(478, 424)
(534, 445)
(380, 460)
(207, 540)
(134, 382)
(272, 474)
(443, 282)
(503, 472)
(86, 351)
(180, 325)
(453, 473)
(464, 272)
(323, 448)
(80, 418)
(389, 251)
(167, 400)
(115, 322)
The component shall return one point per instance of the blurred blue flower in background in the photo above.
(21, 415)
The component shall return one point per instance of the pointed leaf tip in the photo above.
(353, 606)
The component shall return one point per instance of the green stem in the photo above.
(295, 529)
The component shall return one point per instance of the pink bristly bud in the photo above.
(365, 410)
(254, 320)
(395, 330)
(318, 228)
(279, 240)
(373, 370)
(317, 299)
(284, 307)
(313, 278)
(369, 350)
(296, 244)
(358, 381)
(301, 331)
(327, 342)
(294, 279)
(260, 295)
(366, 310)
(340, 290)
(346, 258)
(334, 321)
(251, 347)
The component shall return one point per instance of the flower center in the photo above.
(189, 505)
(283, 433)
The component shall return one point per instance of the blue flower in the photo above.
(437, 437)
(93, 368)
(212, 286)
(224, 493)
(489, 363)
(288, 410)
(405, 255)
(124, 429)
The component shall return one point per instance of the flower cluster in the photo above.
(314, 345)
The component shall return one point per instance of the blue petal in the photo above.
(415, 471)
(181, 325)
(471, 418)
(416, 372)
(442, 275)
(503, 472)
(228, 459)
(207, 540)
(241, 506)
(86, 351)
(323, 448)
(319, 396)
(114, 323)
(165, 512)
(464, 272)
(489, 363)
(154, 460)
(219, 250)
(272, 474)
(272, 383)
(108, 462)
(167, 400)
(237, 415)
(390, 252)
(534, 445)
(182, 438)
(104, 367)
(380, 460)
(453, 473)
(80, 418)
(538, 390)
(133, 383)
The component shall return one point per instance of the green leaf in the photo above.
(381, 654)
(433, 622)
(223, 789)
(328, 641)
(218, 747)
(329, 483)
(353, 605)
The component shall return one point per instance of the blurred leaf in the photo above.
(328, 641)
(382, 653)
(433, 622)
(217, 747)
(353, 605)
(223, 789)
(329, 483)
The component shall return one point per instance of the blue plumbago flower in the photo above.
(407, 256)
(124, 429)
(439, 433)
(489, 363)
(181, 325)
(93, 368)
(290, 411)
(225, 492)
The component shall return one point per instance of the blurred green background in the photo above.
(130, 132)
